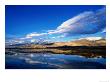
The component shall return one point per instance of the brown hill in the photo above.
(82, 42)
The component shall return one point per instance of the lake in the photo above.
(47, 60)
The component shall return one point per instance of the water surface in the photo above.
(52, 61)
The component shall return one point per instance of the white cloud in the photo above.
(53, 37)
(27, 37)
(33, 40)
(61, 36)
(85, 23)
(91, 38)
(34, 34)
(88, 22)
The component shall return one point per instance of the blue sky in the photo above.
(60, 23)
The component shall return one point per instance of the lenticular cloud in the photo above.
(88, 22)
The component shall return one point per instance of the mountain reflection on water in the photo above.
(45, 59)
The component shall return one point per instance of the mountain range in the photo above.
(80, 42)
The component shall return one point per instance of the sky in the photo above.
(54, 22)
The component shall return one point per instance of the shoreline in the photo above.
(91, 51)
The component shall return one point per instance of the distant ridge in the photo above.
(80, 42)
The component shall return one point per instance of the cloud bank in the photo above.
(34, 34)
(91, 38)
(88, 22)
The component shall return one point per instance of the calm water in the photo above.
(52, 61)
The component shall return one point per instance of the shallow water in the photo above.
(52, 61)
